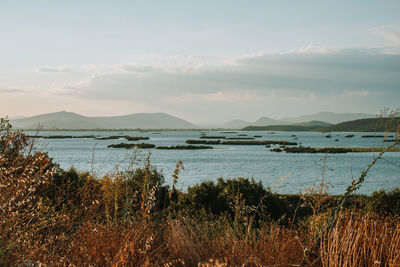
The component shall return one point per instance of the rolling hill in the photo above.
(361, 125)
(262, 121)
(365, 125)
(74, 121)
(330, 117)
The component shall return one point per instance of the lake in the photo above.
(284, 172)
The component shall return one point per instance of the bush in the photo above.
(385, 202)
(226, 196)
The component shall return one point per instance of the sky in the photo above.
(203, 61)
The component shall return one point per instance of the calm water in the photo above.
(300, 170)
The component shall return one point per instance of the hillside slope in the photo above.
(74, 121)
(330, 117)
(362, 125)
(365, 125)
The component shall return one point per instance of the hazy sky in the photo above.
(205, 61)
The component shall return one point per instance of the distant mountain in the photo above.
(236, 124)
(362, 125)
(298, 127)
(330, 117)
(16, 117)
(73, 121)
(313, 123)
(365, 125)
(58, 120)
(264, 121)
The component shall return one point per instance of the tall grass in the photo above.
(362, 240)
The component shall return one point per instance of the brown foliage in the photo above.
(362, 240)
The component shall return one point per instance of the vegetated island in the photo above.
(112, 137)
(258, 142)
(241, 142)
(128, 146)
(377, 136)
(190, 147)
(136, 138)
(145, 145)
(61, 136)
(332, 150)
(207, 142)
(127, 137)
(361, 125)
(240, 138)
(212, 137)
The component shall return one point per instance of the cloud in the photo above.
(230, 97)
(304, 80)
(308, 71)
(390, 34)
(58, 69)
(6, 90)
(139, 69)
(358, 93)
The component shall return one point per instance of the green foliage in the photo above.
(385, 202)
(65, 188)
(12, 144)
(219, 198)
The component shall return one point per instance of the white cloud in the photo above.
(57, 69)
(358, 93)
(390, 34)
(312, 48)
(308, 76)
(8, 90)
(308, 71)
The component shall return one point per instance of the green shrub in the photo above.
(385, 202)
(218, 198)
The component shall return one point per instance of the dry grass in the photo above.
(136, 244)
(356, 240)
(362, 240)
(219, 242)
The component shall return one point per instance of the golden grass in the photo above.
(362, 240)
(357, 240)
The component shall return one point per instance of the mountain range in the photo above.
(360, 125)
(263, 121)
(327, 117)
(74, 121)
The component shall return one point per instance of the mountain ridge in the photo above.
(360, 125)
(160, 120)
(73, 121)
(330, 117)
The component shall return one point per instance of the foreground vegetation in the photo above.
(131, 218)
